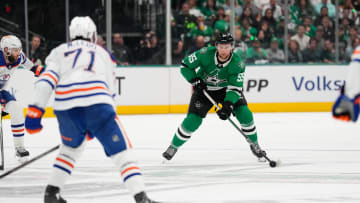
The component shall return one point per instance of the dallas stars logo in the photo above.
(214, 80)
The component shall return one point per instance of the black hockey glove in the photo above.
(225, 112)
(198, 84)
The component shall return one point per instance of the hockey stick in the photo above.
(2, 166)
(271, 162)
(29, 162)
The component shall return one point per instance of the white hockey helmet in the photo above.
(83, 27)
(10, 42)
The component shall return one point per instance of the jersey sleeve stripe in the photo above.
(110, 54)
(48, 81)
(82, 83)
(80, 90)
(53, 72)
(82, 96)
(49, 75)
(356, 52)
(112, 58)
(356, 60)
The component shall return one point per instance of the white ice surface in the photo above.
(320, 163)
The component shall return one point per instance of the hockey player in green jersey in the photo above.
(220, 72)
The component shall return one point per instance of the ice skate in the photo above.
(142, 198)
(258, 152)
(52, 195)
(169, 153)
(22, 154)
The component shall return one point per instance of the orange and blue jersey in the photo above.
(6, 70)
(81, 73)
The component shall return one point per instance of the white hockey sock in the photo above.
(18, 141)
(64, 164)
(18, 134)
(17, 122)
(130, 172)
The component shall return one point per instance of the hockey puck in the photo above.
(272, 164)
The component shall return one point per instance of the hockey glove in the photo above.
(346, 109)
(225, 112)
(33, 119)
(37, 70)
(198, 84)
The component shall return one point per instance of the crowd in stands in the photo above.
(259, 32)
(260, 28)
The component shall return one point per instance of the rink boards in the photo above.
(268, 88)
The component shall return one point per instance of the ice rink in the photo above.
(320, 163)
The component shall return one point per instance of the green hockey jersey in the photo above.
(204, 64)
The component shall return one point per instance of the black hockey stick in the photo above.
(271, 162)
(2, 166)
(29, 161)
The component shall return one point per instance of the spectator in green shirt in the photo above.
(248, 31)
(310, 29)
(210, 11)
(256, 54)
(300, 9)
(202, 29)
(223, 25)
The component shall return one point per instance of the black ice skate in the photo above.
(170, 152)
(258, 152)
(52, 195)
(142, 198)
(22, 154)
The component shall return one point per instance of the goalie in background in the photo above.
(346, 107)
